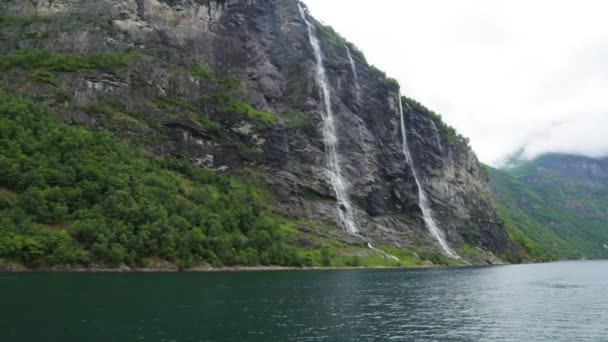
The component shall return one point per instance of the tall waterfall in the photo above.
(436, 133)
(345, 209)
(423, 200)
(353, 67)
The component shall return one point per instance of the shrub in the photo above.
(115, 205)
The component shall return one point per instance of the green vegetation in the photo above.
(44, 76)
(227, 84)
(76, 196)
(451, 133)
(202, 71)
(341, 255)
(552, 216)
(175, 106)
(435, 258)
(226, 98)
(469, 250)
(70, 195)
(73, 196)
(296, 119)
(330, 34)
(392, 82)
(227, 104)
(116, 116)
(348, 256)
(43, 59)
(377, 72)
(7, 20)
(112, 110)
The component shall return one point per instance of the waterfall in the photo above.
(353, 67)
(436, 133)
(383, 253)
(423, 200)
(345, 209)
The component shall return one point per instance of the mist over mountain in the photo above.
(556, 204)
(580, 135)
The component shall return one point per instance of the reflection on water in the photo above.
(549, 302)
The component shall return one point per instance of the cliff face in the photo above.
(232, 85)
(457, 182)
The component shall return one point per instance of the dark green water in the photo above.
(549, 302)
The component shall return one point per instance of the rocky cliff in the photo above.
(233, 86)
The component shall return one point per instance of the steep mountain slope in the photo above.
(558, 202)
(234, 87)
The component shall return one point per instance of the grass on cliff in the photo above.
(7, 20)
(31, 59)
(330, 34)
(224, 103)
(451, 133)
(226, 96)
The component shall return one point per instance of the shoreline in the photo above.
(17, 268)
(12, 267)
(7, 266)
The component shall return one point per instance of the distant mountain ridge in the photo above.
(556, 205)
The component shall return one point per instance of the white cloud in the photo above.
(579, 135)
(504, 73)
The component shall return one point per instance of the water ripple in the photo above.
(550, 302)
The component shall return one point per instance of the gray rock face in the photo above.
(458, 185)
(264, 44)
(589, 171)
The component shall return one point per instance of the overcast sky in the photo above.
(507, 74)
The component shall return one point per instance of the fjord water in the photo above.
(565, 301)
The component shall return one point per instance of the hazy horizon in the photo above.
(507, 75)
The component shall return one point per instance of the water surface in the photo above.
(546, 302)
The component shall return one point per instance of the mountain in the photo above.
(237, 132)
(556, 205)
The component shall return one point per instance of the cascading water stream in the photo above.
(436, 133)
(383, 253)
(345, 210)
(423, 200)
(353, 67)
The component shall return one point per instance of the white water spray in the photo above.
(436, 133)
(353, 67)
(345, 209)
(423, 200)
(383, 253)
